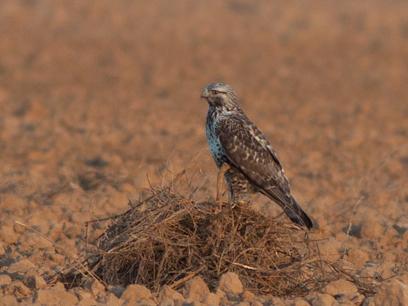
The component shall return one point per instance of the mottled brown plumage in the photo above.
(253, 164)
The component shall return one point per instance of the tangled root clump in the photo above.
(168, 239)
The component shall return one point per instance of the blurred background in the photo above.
(100, 98)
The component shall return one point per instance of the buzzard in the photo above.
(244, 156)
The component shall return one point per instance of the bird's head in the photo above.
(220, 95)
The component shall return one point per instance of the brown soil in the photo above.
(99, 100)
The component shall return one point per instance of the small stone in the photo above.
(97, 288)
(230, 283)
(113, 300)
(136, 293)
(392, 293)
(196, 290)
(40, 283)
(87, 302)
(13, 202)
(341, 286)
(166, 302)
(20, 289)
(343, 291)
(22, 266)
(372, 226)
(329, 249)
(277, 301)
(9, 300)
(320, 299)
(5, 280)
(299, 302)
(167, 294)
(358, 257)
(212, 299)
(56, 295)
(222, 297)
(58, 287)
(144, 303)
(247, 295)
(8, 235)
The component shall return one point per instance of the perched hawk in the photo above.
(244, 156)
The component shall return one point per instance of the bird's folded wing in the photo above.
(248, 150)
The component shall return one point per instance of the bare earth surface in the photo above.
(99, 99)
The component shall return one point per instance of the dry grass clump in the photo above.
(167, 239)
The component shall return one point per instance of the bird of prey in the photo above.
(244, 156)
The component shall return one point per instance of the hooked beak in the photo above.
(204, 94)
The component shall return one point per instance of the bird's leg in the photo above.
(220, 181)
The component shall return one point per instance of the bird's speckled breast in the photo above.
(213, 140)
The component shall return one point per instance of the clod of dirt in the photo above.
(322, 299)
(56, 295)
(196, 290)
(329, 249)
(9, 300)
(7, 234)
(23, 265)
(5, 280)
(136, 293)
(168, 296)
(19, 289)
(392, 293)
(168, 240)
(299, 302)
(358, 256)
(230, 283)
(343, 290)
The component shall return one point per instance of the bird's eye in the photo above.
(214, 92)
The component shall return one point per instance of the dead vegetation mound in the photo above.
(168, 239)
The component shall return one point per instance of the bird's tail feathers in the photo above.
(296, 214)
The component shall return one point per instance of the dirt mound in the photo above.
(168, 239)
